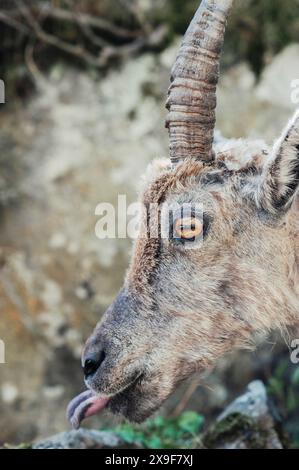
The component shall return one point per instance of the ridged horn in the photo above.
(194, 77)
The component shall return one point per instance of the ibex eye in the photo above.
(188, 228)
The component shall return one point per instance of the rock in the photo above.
(278, 79)
(167, 57)
(81, 439)
(89, 141)
(247, 423)
(234, 115)
(252, 403)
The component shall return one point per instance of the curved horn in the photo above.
(192, 93)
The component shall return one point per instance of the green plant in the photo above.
(283, 387)
(163, 433)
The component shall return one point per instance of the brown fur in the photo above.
(180, 310)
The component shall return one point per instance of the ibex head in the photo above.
(221, 273)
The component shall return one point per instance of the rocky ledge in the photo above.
(248, 422)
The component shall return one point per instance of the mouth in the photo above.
(90, 403)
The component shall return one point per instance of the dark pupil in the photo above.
(184, 227)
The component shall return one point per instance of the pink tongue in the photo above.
(96, 406)
(84, 405)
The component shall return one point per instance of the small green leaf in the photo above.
(154, 442)
(190, 422)
(295, 376)
(291, 400)
(275, 386)
(159, 422)
(281, 369)
(172, 431)
(129, 434)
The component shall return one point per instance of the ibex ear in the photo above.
(280, 179)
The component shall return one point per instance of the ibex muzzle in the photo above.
(185, 303)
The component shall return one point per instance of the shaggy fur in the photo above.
(181, 309)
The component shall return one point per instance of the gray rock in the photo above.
(247, 423)
(277, 85)
(252, 403)
(81, 439)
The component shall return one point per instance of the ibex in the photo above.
(183, 303)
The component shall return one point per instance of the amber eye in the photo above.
(188, 228)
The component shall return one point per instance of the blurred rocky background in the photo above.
(86, 83)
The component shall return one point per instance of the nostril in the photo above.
(92, 363)
(90, 366)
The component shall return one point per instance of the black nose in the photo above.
(92, 363)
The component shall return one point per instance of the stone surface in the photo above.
(77, 143)
(252, 403)
(81, 439)
(280, 78)
(247, 423)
